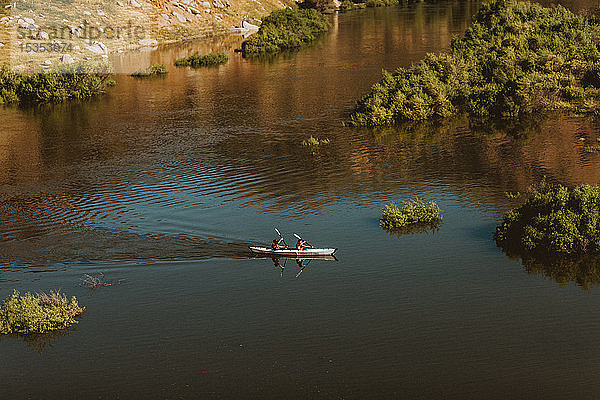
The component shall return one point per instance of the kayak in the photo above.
(287, 252)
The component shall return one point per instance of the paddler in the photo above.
(277, 244)
(302, 244)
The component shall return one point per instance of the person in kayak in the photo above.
(302, 244)
(277, 244)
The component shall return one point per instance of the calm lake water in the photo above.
(163, 183)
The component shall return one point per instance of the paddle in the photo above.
(299, 238)
(279, 233)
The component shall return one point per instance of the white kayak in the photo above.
(287, 252)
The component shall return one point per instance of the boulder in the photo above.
(248, 26)
(179, 17)
(30, 21)
(97, 48)
(148, 42)
(206, 4)
(67, 59)
(94, 48)
(42, 36)
(135, 4)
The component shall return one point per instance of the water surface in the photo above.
(164, 182)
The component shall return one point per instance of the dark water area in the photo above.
(163, 183)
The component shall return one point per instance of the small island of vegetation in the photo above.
(207, 60)
(516, 58)
(152, 70)
(554, 220)
(286, 29)
(413, 213)
(38, 313)
(70, 83)
(314, 142)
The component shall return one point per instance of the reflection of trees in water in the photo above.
(39, 342)
(414, 229)
(583, 270)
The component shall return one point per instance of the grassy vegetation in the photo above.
(286, 29)
(413, 212)
(207, 60)
(515, 58)
(555, 220)
(314, 142)
(70, 83)
(38, 313)
(152, 70)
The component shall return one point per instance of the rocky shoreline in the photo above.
(43, 35)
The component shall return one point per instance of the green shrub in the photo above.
(70, 83)
(516, 58)
(346, 5)
(412, 212)
(319, 5)
(555, 219)
(286, 30)
(314, 142)
(152, 70)
(39, 313)
(206, 60)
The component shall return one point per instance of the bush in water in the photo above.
(152, 70)
(412, 212)
(70, 83)
(39, 313)
(555, 219)
(206, 60)
(284, 30)
(516, 58)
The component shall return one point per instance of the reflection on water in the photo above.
(300, 264)
(583, 270)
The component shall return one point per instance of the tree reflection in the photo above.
(40, 342)
(583, 270)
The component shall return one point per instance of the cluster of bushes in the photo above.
(206, 60)
(71, 83)
(286, 29)
(516, 58)
(38, 313)
(554, 220)
(152, 70)
(413, 212)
